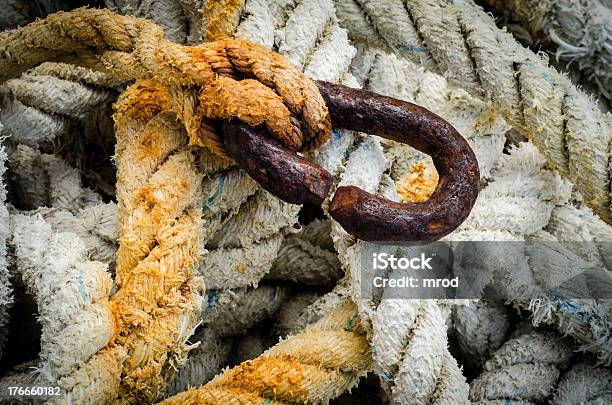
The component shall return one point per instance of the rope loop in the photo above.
(229, 78)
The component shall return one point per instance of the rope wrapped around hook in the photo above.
(274, 92)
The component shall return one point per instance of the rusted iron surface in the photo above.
(374, 218)
(277, 169)
(364, 215)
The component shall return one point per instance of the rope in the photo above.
(510, 209)
(131, 254)
(47, 102)
(204, 362)
(526, 368)
(216, 272)
(159, 209)
(565, 125)
(584, 383)
(222, 18)
(6, 290)
(579, 30)
(479, 329)
(165, 13)
(71, 294)
(131, 48)
(45, 180)
(226, 313)
(289, 319)
(95, 225)
(301, 259)
(408, 336)
(337, 356)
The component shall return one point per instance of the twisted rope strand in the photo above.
(132, 48)
(159, 209)
(578, 32)
(526, 368)
(542, 104)
(337, 356)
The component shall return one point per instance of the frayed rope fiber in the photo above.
(158, 301)
(580, 30)
(133, 48)
(316, 365)
(459, 39)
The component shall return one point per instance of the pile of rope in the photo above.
(460, 40)
(188, 218)
(577, 32)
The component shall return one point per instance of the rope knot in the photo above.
(221, 80)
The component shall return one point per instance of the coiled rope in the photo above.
(460, 40)
(6, 290)
(525, 368)
(317, 364)
(580, 30)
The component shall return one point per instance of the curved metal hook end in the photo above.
(366, 216)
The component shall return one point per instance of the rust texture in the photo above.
(374, 218)
(277, 169)
(364, 215)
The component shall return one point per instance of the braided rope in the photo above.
(6, 290)
(134, 48)
(71, 293)
(580, 30)
(465, 44)
(291, 317)
(525, 368)
(408, 336)
(287, 373)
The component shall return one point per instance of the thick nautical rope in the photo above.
(307, 258)
(6, 290)
(317, 364)
(479, 329)
(579, 32)
(462, 41)
(526, 368)
(528, 209)
(48, 101)
(158, 301)
(584, 383)
(133, 48)
(317, 18)
(46, 180)
(71, 293)
(419, 325)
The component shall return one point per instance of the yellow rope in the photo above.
(315, 365)
(133, 48)
(157, 303)
(159, 207)
(222, 18)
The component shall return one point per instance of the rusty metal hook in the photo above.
(294, 179)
